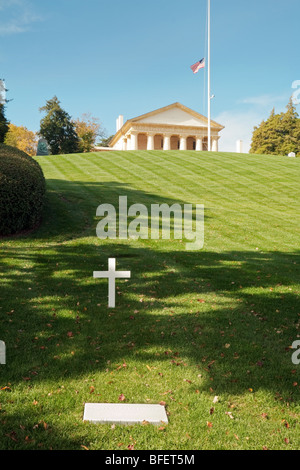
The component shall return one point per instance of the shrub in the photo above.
(22, 191)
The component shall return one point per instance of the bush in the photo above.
(22, 191)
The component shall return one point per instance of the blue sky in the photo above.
(111, 57)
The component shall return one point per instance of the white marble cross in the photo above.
(112, 275)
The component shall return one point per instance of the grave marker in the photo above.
(128, 414)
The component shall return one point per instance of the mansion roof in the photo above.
(175, 116)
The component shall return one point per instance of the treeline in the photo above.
(58, 134)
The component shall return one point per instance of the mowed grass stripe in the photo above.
(250, 180)
(268, 213)
(148, 169)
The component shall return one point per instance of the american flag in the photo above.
(198, 65)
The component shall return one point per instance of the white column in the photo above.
(182, 143)
(124, 145)
(239, 146)
(215, 145)
(150, 142)
(133, 141)
(199, 144)
(167, 142)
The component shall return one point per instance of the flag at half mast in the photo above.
(198, 65)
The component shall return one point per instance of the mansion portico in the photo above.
(174, 127)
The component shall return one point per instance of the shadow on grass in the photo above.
(70, 209)
(232, 315)
(191, 304)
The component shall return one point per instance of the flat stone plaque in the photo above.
(119, 413)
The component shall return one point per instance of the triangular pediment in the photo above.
(176, 115)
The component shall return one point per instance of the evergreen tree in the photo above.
(288, 130)
(3, 124)
(105, 141)
(58, 129)
(279, 134)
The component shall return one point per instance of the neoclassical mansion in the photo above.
(174, 127)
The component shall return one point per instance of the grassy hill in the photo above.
(188, 326)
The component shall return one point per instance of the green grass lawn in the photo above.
(187, 327)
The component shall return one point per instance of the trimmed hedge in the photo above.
(22, 191)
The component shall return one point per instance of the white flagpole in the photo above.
(209, 90)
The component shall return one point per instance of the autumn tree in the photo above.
(22, 138)
(88, 129)
(58, 129)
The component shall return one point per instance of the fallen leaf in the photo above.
(122, 397)
(12, 436)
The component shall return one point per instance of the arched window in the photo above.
(142, 141)
(175, 142)
(158, 142)
(191, 143)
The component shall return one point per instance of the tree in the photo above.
(279, 134)
(88, 129)
(105, 141)
(22, 138)
(288, 128)
(58, 129)
(3, 124)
